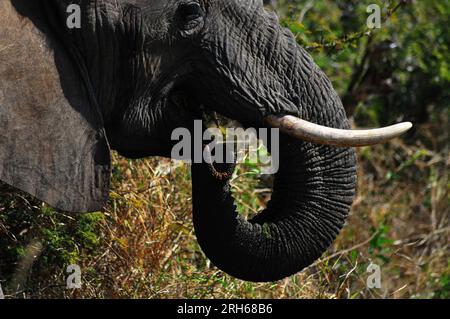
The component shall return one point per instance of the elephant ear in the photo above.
(52, 141)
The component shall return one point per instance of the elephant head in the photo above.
(137, 69)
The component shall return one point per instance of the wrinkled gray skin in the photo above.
(136, 70)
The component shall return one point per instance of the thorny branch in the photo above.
(357, 36)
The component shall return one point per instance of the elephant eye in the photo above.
(190, 16)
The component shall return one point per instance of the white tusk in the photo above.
(319, 134)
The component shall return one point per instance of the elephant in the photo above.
(135, 70)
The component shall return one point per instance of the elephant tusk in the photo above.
(319, 134)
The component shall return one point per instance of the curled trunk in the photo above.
(312, 194)
(314, 187)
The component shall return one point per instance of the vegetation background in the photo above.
(142, 245)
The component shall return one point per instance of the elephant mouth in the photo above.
(307, 131)
(289, 124)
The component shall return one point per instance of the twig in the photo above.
(32, 252)
(305, 9)
(357, 36)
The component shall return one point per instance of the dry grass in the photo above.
(144, 247)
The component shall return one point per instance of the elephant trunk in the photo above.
(315, 184)
(312, 194)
